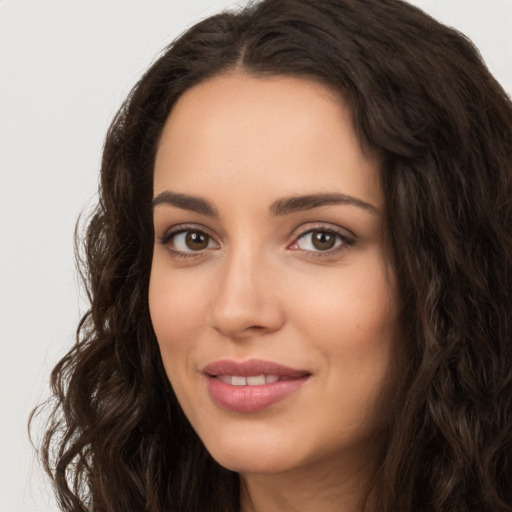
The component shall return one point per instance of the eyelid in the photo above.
(347, 237)
(327, 226)
(180, 228)
(183, 228)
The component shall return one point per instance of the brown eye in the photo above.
(191, 241)
(196, 241)
(323, 240)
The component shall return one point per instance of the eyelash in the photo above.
(169, 235)
(342, 240)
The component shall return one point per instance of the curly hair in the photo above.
(420, 94)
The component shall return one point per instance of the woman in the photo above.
(300, 272)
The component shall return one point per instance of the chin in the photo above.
(250, 454)
(254, 464)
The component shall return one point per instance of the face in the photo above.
(270, 294)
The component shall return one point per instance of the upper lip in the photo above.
(251, 367)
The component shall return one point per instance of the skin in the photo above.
(259, 287)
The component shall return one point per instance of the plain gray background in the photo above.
(65, 66)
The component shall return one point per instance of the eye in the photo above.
(321, 240)
(189, 240)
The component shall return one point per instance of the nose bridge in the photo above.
(240, 273)
(244, 302)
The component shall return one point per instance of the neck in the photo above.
(316, 488)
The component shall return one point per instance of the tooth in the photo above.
(238, 381)
(256, 380)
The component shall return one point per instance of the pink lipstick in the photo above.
(252, 385)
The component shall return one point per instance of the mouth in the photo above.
(252, 385)
(253, 380)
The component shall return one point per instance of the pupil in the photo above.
(196, 241)
(323, 240)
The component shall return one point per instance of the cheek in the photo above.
(352, 321)
(177, 313)
(356, 303)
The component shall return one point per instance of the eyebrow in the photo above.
(293, 204)
(186, 202)
(284, 206)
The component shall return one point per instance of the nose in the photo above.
(246, 303)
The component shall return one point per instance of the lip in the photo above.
(251, 398)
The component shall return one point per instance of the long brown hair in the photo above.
(420, 94)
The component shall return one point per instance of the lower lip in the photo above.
(251, 398)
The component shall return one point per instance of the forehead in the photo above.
(282, 133)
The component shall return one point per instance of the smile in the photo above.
(255, 380)
(253, 385)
